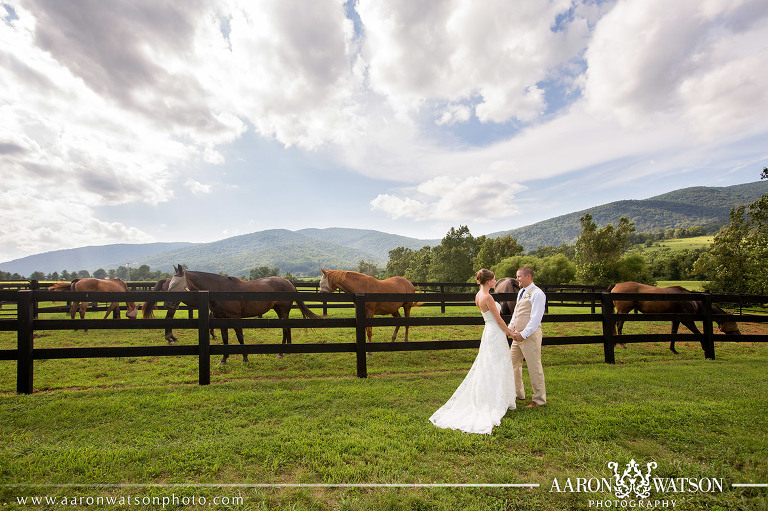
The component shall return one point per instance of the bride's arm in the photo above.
(495, 311)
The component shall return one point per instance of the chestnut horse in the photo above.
(91, 284)
(354, 282)
(661, 307)
(147, 310)
(507, 285)
(201, 281)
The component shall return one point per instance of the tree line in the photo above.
(735, 262)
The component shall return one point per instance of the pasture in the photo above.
(110, 424)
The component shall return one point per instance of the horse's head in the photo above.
(726, 325)
(178, 282)
(325, 283)
(729, 327)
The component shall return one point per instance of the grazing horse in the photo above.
(507, 285)
(149, 307)
(99, 285)
(201, 281)
(661, 307)
(354, 282)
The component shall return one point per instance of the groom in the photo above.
(526, 337)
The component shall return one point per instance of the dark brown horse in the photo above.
(661, 307)
(100, 285)
(354, 282)
(507, 285)
(201, 281)
(149, 307)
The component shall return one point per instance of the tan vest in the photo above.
(522, 314)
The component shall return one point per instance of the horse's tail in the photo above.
(306, 312)
(149, 307)
(608, 289)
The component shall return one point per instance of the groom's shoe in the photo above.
(533, 404)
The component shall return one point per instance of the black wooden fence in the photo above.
(26, 323)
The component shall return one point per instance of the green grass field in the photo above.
(680, 244)
(112, 424)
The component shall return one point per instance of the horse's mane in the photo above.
(336, 277)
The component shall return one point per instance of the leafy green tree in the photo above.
(101, 273)
(737, 260)
(368, 268)
(37, 275)
(569, 251)
(421, 262)
(453, 259)
(599, 251)
(554, 270)
(400, 259)
(262, 272)
(493, 250)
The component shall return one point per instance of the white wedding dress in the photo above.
(488, 390)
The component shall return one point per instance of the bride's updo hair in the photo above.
(484, 276)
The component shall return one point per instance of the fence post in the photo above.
(34, 285)
(204, 340)
(609, 343)
(25, 334)
(360, 335)
(442, 303)
(709, 331)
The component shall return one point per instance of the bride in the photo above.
(488, 390)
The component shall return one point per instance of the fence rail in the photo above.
(26, 323)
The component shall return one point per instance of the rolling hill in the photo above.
(700, 205)
(304, 251)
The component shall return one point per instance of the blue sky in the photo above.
(140, 121)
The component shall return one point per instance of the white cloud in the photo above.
(197, 188)
(703, 63)
(494, 53)
(479, 198)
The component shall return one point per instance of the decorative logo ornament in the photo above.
(632, 480)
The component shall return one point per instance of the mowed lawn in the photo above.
(303, 432)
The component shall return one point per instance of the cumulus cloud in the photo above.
(495, 54)
(110, 103)
(197, 188)
(701, 62)
(479, 198)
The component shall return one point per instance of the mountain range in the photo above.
(303, 252)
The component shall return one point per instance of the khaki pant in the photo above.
(530, 350)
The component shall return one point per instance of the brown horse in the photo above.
(507, 285)
(201, 281)
(98, 285)
(661, 307)
(148, 309)
(354, 282)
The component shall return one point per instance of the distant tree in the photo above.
(568, 251)
(53, 276)
(400, 259)
(368, 268)
(65, 275)
(83, 274)
(262, 272)
(421, 262)
(453, 260)
(141, 273)
(599, 251)
(555, 269)
(101, 273)
(737, 260)
(37, 275)
(764, 175)
(493, 250)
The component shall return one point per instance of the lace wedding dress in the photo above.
(488, 390)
